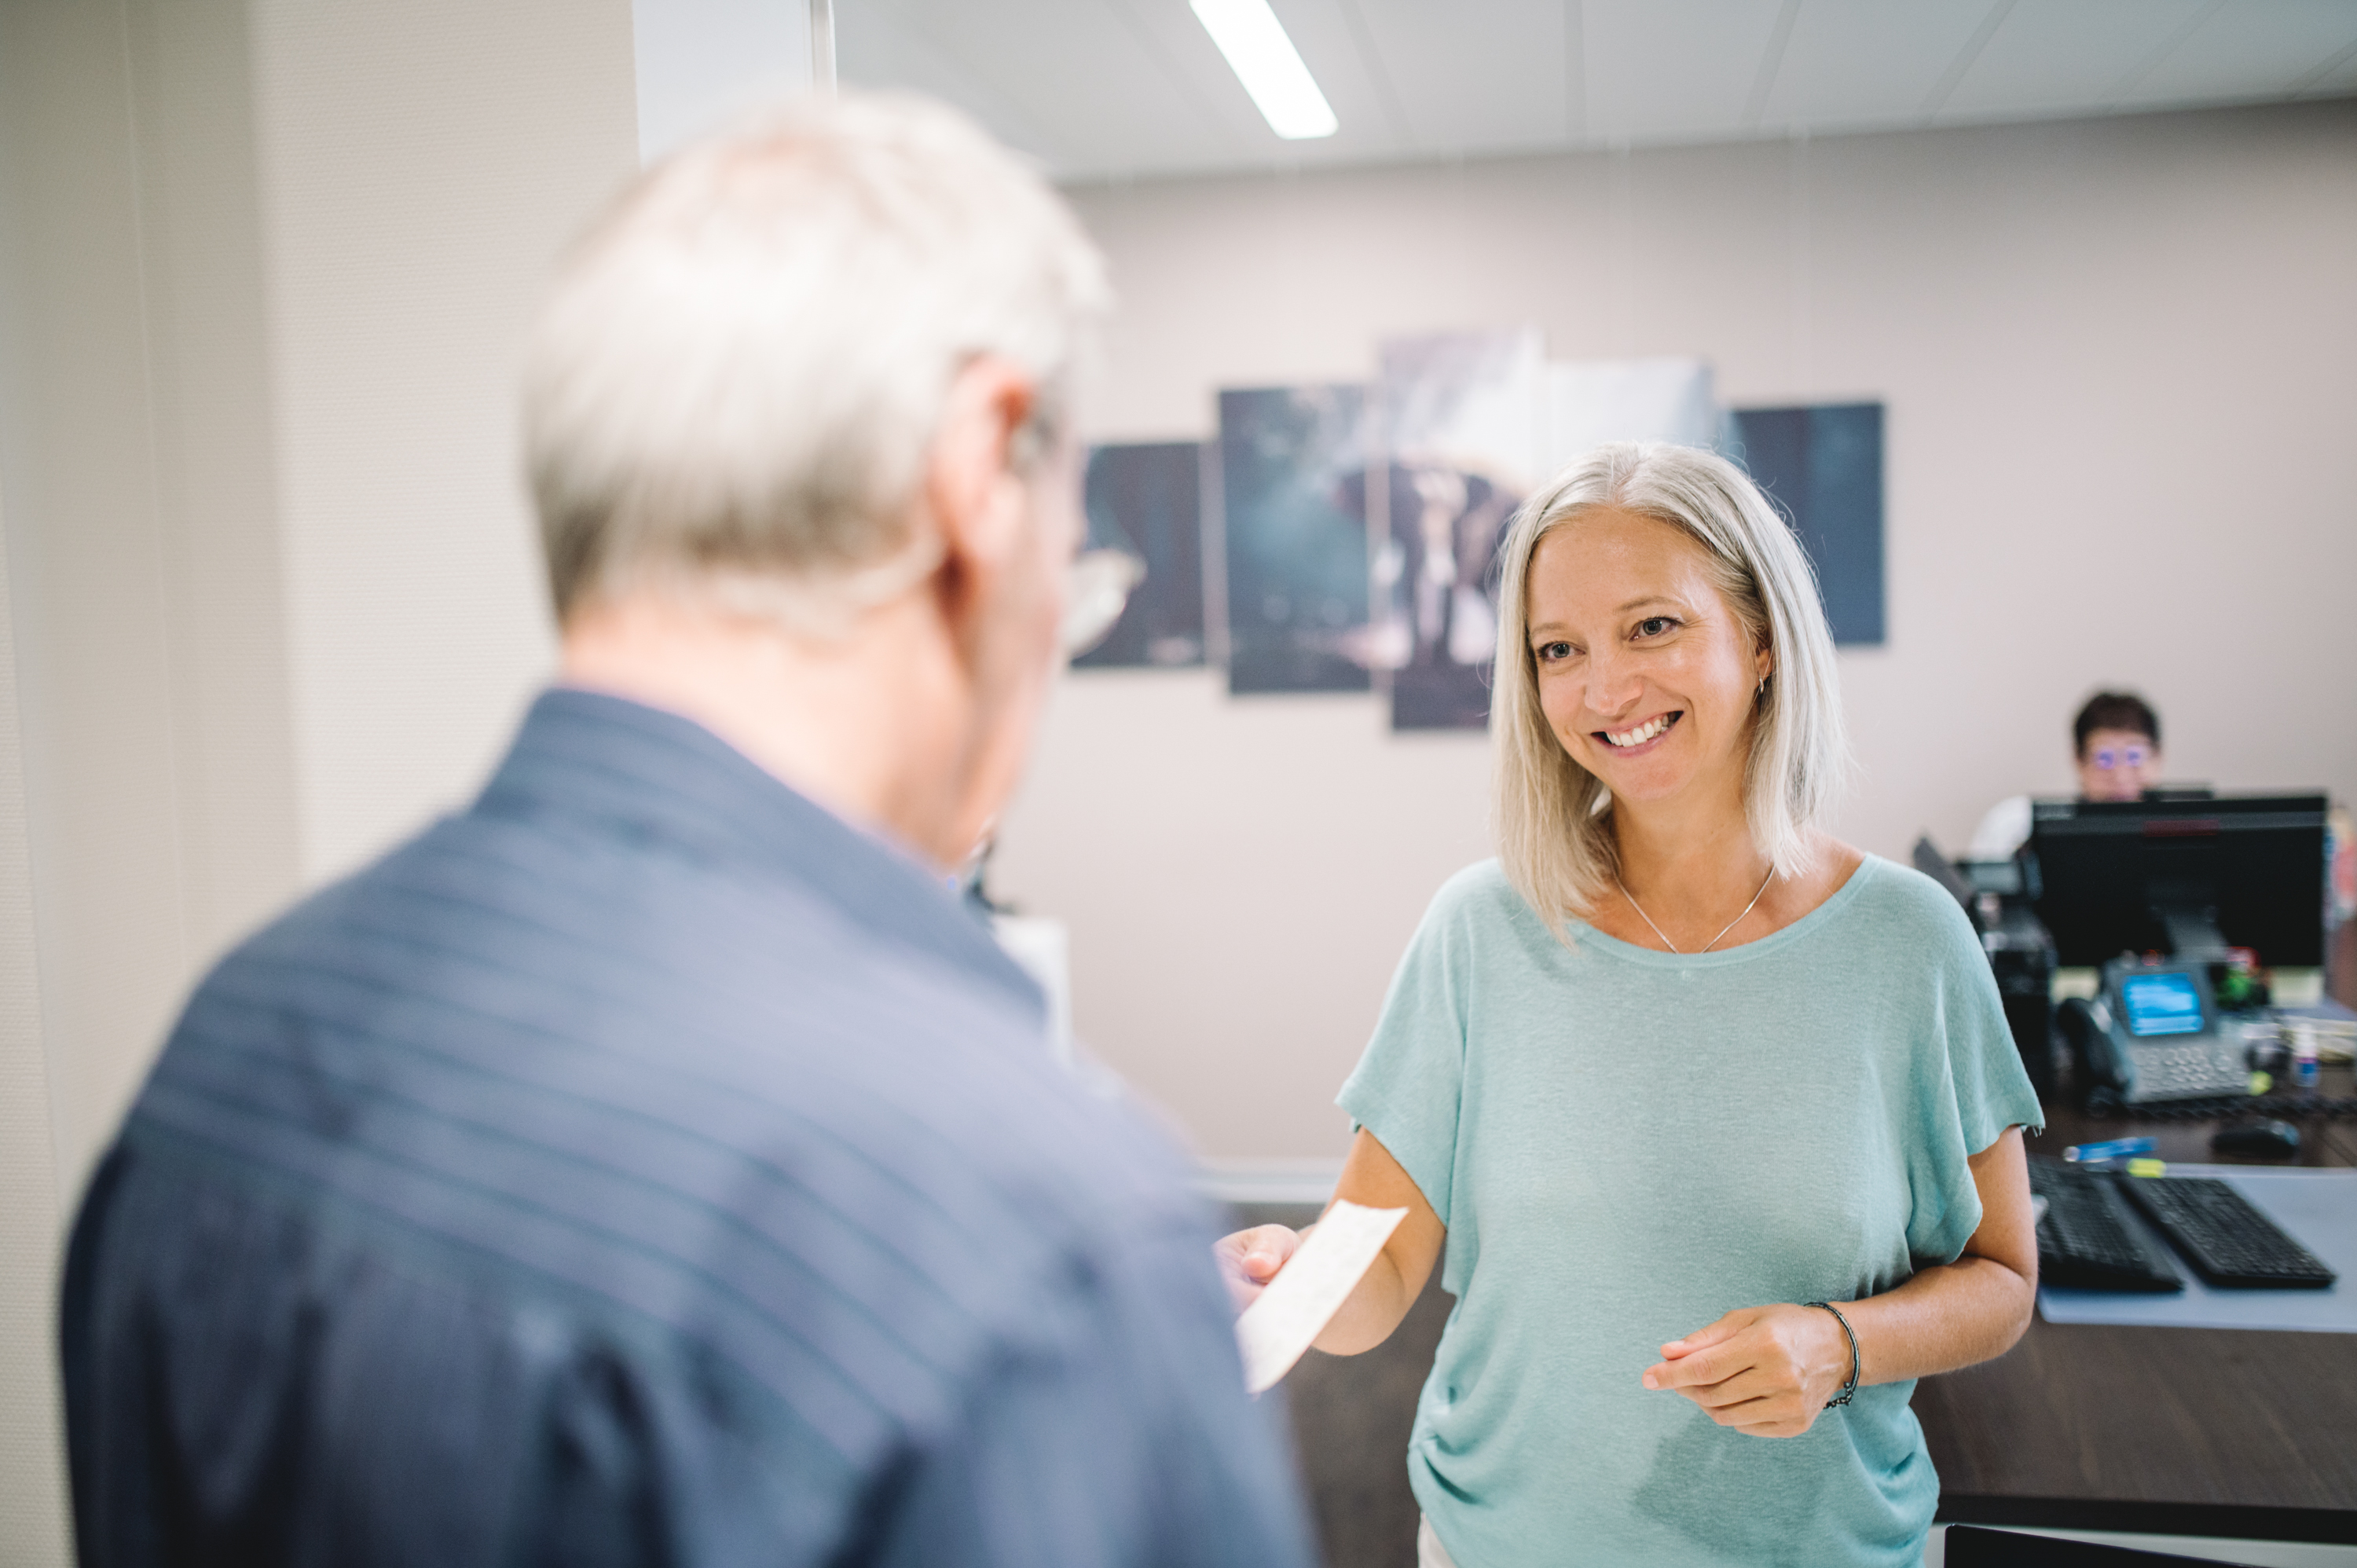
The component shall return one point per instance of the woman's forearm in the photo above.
(1974, 1310)
(1371, 1177)
(1947, 1316)
(1367, 1318)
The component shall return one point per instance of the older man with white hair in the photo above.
(653, 1163)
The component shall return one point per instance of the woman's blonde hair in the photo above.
(1554, 821)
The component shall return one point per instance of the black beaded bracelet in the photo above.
(1850, 1387)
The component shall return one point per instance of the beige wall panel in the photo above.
(94, 946)
(34, 1532)
(2120, 358)
(422, 164)
(93, 627)
(257, 464)
(223, 600)
(162, 822)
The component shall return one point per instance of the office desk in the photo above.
(2200, 1432)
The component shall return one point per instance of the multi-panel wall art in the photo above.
(1147, 502)
(1293, 483)
(1822, 465)
(1347, 535)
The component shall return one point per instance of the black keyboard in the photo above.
(2086, 1239)
(2232, 1245)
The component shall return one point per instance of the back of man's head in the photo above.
(730, 391)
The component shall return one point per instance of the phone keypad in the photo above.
(2185, 1071)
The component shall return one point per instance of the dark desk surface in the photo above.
(2197, 1431)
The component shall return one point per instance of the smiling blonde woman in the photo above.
(1719, 1116)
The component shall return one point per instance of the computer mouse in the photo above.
(2269, 1140)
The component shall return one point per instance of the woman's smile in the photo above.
(1636, 740)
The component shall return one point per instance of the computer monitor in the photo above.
(2181, 877)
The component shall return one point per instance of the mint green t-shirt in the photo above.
(1626, 1145)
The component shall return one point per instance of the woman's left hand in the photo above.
(1764, 1370)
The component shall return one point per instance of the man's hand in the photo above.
(1764, 1370)
(1248, 1259)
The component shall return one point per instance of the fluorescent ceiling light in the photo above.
(1268, 65)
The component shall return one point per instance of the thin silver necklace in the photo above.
(1715, 941)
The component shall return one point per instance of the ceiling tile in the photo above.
(1852, 63)
(1192, 61)
(1090, 79)
(2250, 49)
(1339, 46)
(2339, 81)
(875, 45)
(1111, 88)
(1122, 88)
(2064, 56)
(1672, 69)
(1364, 103)
(1473, 75)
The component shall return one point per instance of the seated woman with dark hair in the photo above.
(2117, 739)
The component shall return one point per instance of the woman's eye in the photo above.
(1549, 652)
(1654, 625)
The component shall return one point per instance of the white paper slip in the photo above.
(1310, 1289)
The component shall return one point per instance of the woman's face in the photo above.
(1645, 674)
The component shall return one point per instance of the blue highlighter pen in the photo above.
(2111, 1154)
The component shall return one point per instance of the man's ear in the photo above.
(972, 491)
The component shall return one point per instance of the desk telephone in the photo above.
(2155, 1033)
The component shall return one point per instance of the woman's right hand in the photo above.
(1248, 1259)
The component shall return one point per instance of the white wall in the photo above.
(2120, 359)
(95, 927)
(271, 592)
(275, 590)
(422, 163)
(33, 1529)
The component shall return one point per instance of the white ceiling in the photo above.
(1121, 88)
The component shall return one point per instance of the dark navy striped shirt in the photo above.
(646, 1167)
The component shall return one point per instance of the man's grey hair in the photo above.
(1554, 817)
(732, 387)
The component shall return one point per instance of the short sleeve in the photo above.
(1971, 1088)
(1409, 1083)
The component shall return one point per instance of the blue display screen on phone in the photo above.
(2161, 1005)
